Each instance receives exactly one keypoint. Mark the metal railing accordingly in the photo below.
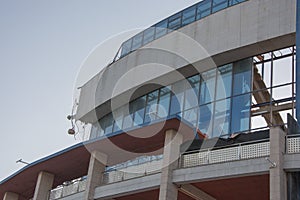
(68, 189)
(260, 148)
(293, 143)
(131, 172)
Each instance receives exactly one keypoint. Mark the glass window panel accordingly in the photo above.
(224, 82)
(233, 2)
(107, 123)
(137, 41)
(191, 116)
(205, 117)
(126, 47)
(280, 67)
(242, 76)
(189, 15)
(164, 102)
(219, 5)
(149, 35)
(203, 9)
(177, 98)
(151, 108)
(221, 118)
(161, 28)
(127, 121)
(138, 110)
(240, 113)
(192, 92)
(118, 116)
(96, 131)
(174, 22)
(207, 91)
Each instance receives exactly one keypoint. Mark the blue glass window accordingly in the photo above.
(107, 123)
(203, 9)
(138, 110)
(118, 116)
(164, 102)
(240, 120)
(177, 98)
(188, 15)
(207, 91)
(148, 35)
(233, 2)
(127, 121)
(224, 82)
(191, 116)
(205, 118)
(96, 131)
(161, 28)
(174, 22)
(126, 47)
(151, 108)
(219, 5)
(242, 71)
(221, 118)
(137, 41)
(192, 92)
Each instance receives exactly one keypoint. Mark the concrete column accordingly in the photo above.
(43, 186)
(278, 187)
(168, 190)
(95, 173)
(10, 196)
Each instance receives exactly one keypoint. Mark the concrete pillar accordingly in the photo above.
(95, 173)
(43, 186)
(168, 190)
(278, 187)
(10, 196)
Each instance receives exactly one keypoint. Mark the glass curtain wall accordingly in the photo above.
(204, 101)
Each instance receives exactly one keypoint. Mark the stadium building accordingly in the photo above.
(200, 106)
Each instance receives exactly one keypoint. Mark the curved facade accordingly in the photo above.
(200, 105)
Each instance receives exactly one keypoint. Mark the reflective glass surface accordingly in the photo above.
(176, 21)
(216, 102)
(219, 5)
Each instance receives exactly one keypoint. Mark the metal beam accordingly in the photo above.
(275, 108)
(298, 62)
(194, 192)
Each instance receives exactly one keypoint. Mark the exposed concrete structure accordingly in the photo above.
(43, 186)
(95, 173)
(168, 190)
(241, 36)
(11, 196)
(278, 188)
(233, 43)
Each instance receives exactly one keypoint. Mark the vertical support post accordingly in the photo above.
(173, 140)
(298, 62)
(43, 186)
(278, 186)
(11, 196)
(96, 170)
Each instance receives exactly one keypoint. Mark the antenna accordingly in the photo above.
(21, 161)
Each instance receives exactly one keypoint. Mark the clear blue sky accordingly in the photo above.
(42, 46)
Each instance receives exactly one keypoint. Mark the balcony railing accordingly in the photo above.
(68, 189)
(293, 143)
(131, 172)
(241, 151)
